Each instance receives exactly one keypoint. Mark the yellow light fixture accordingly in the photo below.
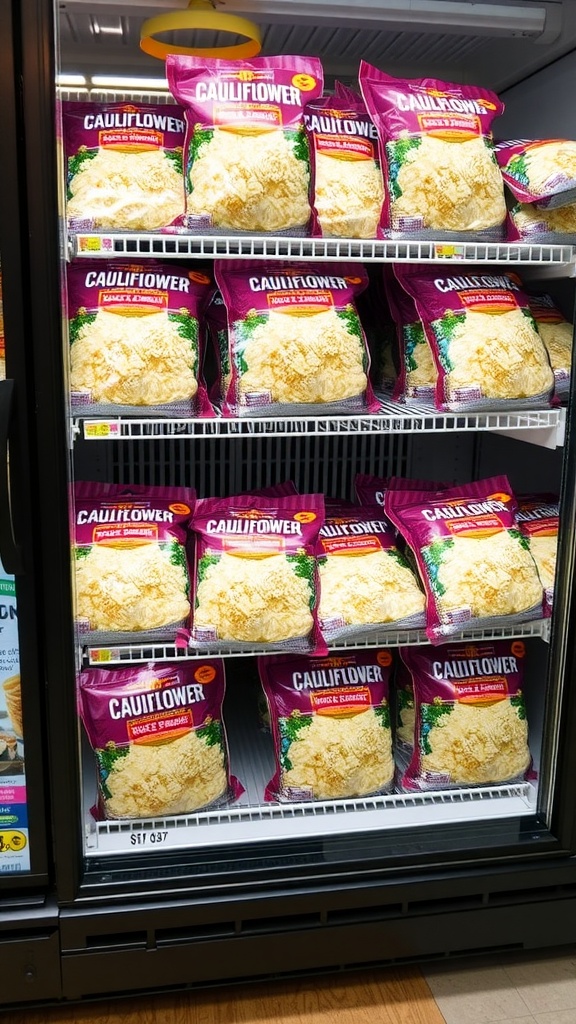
(200, 14)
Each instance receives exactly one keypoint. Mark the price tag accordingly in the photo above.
(98, 655)
(95, 429)
(450, 252)
(92, 244)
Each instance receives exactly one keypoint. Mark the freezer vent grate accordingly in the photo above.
(222, 466)
(138, 653)
(392, 419)
(263, 246)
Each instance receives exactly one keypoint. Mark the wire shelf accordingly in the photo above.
(138, 653)
(106, 244)
(546, 424)
(237, 823)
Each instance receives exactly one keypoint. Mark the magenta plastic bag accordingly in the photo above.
(441, 178)
(366, 585)
(370, 490)
(330, 720)
(527, 223)
(123, 165)
(470, 723)
(256, 580)
(137, 339)
(538, 518)
(476, 567)
(158, 738)
(246, 150)
(417, 373)
(541, 171)
(348, 189)
(131, 563)
(557, 334)
(486, 346)
(296, 345)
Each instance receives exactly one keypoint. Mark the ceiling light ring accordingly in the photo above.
(201, 19)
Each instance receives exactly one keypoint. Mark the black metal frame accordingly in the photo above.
(18, 403)
(138, 922)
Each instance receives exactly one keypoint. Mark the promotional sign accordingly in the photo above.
(14, 843)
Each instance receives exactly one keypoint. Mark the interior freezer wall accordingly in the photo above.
(542, 106)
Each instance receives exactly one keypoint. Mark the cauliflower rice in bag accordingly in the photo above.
(124, 165)
(136, 338)
(527, 223)
(404, 708)
(541, 172)
(557, 334)
(417, 376)
(256, 582)
(158, 738)
(131, 569)
(247, 155)
(295, 341)
(441, 178)
(475, 564)
(370, 490)
(538, 518)
(348, 189)
(366, 585)
(471, 727)
(485, 342)
(330, 721)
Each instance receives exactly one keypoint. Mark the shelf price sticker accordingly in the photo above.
(92, 244)
(450, 252)
(101, 655)
(97, 429)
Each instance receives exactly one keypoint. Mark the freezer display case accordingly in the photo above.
(275, 829)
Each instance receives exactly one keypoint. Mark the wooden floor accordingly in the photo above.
(383, 997)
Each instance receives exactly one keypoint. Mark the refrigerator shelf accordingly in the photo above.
(559, 259)
(543, 427)
(132, 654)
(260, 822)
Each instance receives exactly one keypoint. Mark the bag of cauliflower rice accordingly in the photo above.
(417, 373)
(330, 721)
(296, 345)
(247, 157)
(131, 567)
(124, 165)
(526, 223)
(136, 339)
(441, 178)
(404, 710)
(557, 334)
(488, 352)
(475, 564)
(348, 190)
(370, 490)
(542, 171)
(538, 518)
(158, 738)
(366, 585)
(256, 581)
(471, 727)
